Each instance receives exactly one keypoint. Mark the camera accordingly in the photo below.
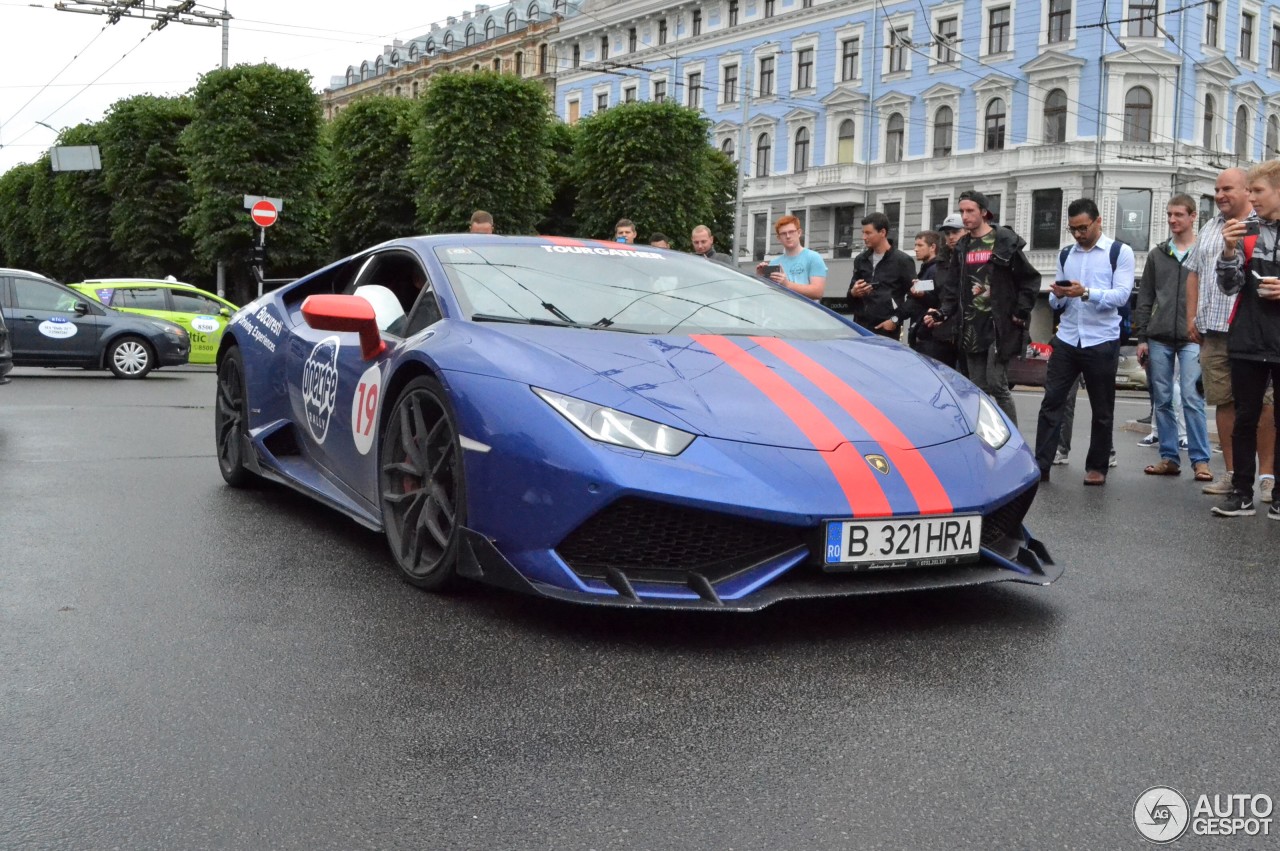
(1252, 227)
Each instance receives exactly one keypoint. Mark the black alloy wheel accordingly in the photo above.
(231, 420)
(422, 485)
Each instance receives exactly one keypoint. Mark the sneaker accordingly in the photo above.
(1217, 448)
(1152, 439)
(1183, 445)
(1060, 458)
(1145, 420)
(1112, 462)
(1235, 505)
(1218, 486)
(1274, 512)
(1267, 486)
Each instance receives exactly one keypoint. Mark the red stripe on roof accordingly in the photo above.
(564, 240)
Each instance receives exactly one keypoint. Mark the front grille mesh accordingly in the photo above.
(1007, 519)
(650, 540)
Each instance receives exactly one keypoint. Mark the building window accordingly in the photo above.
(1273, 138)
(697, 22)
(994, 140)
(1275, 48)
(1137, 115)
(1059, 21)
(899, 43)
(1246, 36)
(893, 212)
(662, 31)
(768, 8)
(1242, 133)
(629, 94)
(1212, 17)
(1055, 118)
(948, 32)
(602, 101)
(939, 209)
(844, 142)
(802, 151)
(731, 83)
(659, 91)
(762, 155)
(894, 136)
(542, 59)
(806, 4)
(726, 148)
(1142, 18)
(998, 30)
(943, 131)
(759, 235)
(519, 63)
(849, 54)
(604, 47)
(632, 40)
(490, 29)
(733, 13)
(1210, 108)
(448, 41)
(766, 77)
(414, 90)
(804, 68)
(497, 63)
(575, 111)
(693, 91)
(1046, 219)
(470, 36)
(1133, 218)
(577, 56)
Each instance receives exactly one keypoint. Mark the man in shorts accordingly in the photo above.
(1208, 317)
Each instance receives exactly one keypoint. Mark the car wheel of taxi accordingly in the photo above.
(422, 486)
(130, 357)
(231, 421)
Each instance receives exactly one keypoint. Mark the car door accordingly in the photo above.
(336, 394)
(51, 325)
(203, 319)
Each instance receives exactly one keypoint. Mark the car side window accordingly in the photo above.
(140, 298)
(193, 303)
(30, 294)
(425, 313)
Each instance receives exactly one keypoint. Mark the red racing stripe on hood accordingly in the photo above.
(865, 496)
(919, 476)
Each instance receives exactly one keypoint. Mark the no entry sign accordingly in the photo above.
(264, 214)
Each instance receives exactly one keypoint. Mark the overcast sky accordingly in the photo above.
(63, 68)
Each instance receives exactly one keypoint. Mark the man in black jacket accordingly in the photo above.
(882, 276)
(991, 288)
(935, 256)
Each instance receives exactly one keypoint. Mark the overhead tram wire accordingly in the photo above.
(54, 79)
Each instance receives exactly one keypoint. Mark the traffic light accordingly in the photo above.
(258, 255)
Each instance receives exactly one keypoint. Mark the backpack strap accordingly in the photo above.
(1115, 254)
(1062, 259)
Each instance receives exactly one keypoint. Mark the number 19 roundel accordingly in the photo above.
(364, 409)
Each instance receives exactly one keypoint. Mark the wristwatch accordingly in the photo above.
(1084, 296)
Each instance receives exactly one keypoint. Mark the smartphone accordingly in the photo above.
(769, 270)
(1062, 284)
(1252, 227)
(923, 286)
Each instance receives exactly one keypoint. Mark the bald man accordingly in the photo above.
(1208, 316)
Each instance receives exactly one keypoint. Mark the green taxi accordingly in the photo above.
(203, 314)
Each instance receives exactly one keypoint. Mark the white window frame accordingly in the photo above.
(858, 31)
(808, 122)
(576, 99)
(934, 102)
(607, 91)
(1257, 61)
(1216, 45)
(807, 43)
(1069, 43)
(774, 52)
(699, 68)
(660, 78)
(936, 14)
(892, 25)
(1124, 34)
(985, 25)
(724, 62)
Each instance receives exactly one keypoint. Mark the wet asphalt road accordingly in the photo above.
(187, 666)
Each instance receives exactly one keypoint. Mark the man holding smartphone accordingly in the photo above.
(1091, 289)
(799, 269)
(882, 276)
(1249, 269)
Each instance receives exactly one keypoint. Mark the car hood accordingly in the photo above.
(797, 394)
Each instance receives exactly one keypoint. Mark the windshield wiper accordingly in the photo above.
(533, 320)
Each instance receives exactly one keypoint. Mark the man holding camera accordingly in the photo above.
(1094, 282)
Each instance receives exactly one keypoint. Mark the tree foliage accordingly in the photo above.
(481, 143)
(721, 193)
(17, 225)
(255, 131)
(561, 218)
(75, 238)
(647, 162)
(370, 199)
(150, 187)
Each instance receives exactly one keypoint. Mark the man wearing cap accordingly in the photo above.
(990, 289)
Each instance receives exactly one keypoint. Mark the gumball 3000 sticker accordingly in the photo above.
(320, 386)
(58, 327)
(204, 324)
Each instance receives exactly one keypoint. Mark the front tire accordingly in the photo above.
(130, 357)
(422, 486)
(231, 420)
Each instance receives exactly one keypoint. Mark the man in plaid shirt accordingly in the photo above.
(1208, 316)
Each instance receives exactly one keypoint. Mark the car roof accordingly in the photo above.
(159, 282)
(4, 271)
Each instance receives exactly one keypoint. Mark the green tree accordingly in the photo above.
(78, 246)
(370, 198)
(560, 217)
(256, 131)
(481, 143)
(647, 162)
(17, 226)
(143, 169)
(721, 174)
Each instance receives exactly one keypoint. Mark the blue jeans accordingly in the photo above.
(1162, 391)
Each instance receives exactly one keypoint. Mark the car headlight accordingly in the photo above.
(621, 429)
(992, 429)
(171, 329)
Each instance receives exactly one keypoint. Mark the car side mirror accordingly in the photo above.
(345, 313)
(81, 308)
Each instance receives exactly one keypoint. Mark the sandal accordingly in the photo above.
(1203, 473)
(1164, 468)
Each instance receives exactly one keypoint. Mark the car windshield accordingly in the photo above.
(594, 286)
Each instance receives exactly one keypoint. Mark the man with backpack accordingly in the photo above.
(1095, 279)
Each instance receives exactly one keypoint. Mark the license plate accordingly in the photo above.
(903, 541)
